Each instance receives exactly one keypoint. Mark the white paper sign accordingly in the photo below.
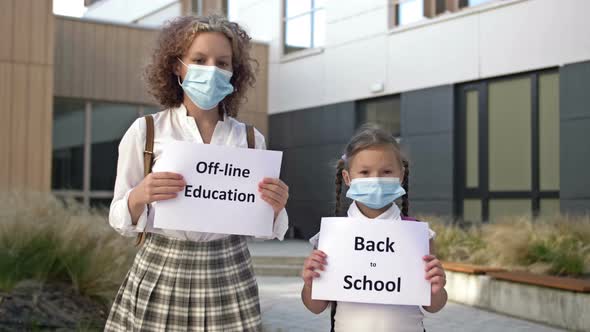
(373, 262)
(221, 195)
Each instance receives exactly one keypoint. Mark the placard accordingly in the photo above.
(377, 261)
(221, 193)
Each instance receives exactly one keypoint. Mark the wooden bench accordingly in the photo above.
(470, 268)
(564, 283)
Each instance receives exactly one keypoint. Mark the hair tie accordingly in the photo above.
(343, 157)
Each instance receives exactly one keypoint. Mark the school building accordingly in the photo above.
(72, 86)
(488, 97)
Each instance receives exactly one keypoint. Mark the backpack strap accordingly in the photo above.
(250, 137)
(148, 159)
(148, 153)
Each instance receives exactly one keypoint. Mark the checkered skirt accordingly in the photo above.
(177, 285)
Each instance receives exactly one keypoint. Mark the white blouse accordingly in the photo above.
(171, 125)
(351, 316)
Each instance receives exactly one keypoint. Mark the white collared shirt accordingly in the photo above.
(352, 316)
(171, 125)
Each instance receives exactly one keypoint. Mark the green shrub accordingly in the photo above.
(45, 239)
(557, 246)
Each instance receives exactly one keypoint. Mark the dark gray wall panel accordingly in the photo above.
(312, 141)
(575, 158)
(306, 216)
(430, 207)
(431, 165)
(574, 87)
(427, 111)
(575, 206)
(427, 137)
(574, 81)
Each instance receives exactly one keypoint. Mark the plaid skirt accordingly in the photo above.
(177, 285)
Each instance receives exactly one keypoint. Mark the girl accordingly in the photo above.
(189, 281)
(372, 168)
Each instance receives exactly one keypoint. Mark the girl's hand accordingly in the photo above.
(435, 274)
(275, 192)
(158, 186)
(315, 262)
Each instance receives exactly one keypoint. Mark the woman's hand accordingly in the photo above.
(314, 263)
(435, 274)
(158, 186)
(275, 192)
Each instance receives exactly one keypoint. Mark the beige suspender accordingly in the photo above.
(148, 153)
(148, 159)
(250, 137)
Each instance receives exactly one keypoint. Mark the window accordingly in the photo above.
(404, 12)
(68, 144)
(472, 3)
(508, 144)
(109, 124)
(86, 137)
(409, 11)
(197, 7)
(304, 25)
(225, 8)
(383, 111)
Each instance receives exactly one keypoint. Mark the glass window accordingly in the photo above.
(519, 132)
(101, 203)
(382, 111)
(504, 208)
(225, 8)
(472, 210)
(472, 3)
(297, 7)
(89, 128)
(197, 7)
(68, 144)
(549, 131)
(509, 116)
(409, 11)
(109, 124)
(472, 139)
(298, 34)
(441, 7)
(304, 25)
(549, 207)
(150, 110)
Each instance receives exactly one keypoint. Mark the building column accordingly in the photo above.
(26, 91)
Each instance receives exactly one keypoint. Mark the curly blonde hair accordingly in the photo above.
(176, 38)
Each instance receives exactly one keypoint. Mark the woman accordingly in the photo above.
(189, 281)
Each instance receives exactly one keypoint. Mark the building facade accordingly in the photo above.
(489, 99)
(71, 88)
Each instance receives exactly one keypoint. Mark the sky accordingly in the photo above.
(73, 8)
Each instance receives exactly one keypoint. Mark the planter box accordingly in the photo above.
(523, 295)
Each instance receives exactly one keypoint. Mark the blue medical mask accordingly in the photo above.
(375, 193)
(206, 86)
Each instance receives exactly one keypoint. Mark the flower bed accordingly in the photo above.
(56, 246)
(557, 246)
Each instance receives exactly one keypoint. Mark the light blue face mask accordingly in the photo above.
(375, 193)
(206, 86)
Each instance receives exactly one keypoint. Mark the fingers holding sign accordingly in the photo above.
(435, 273)
(315, 262)
(158, 186)
(275, 192)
